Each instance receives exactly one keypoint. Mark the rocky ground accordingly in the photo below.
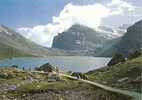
(17, 85)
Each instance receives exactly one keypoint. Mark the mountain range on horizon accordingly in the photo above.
(102, 42)
(78, 40)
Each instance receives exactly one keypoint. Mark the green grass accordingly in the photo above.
(111, 75)
(31, 86)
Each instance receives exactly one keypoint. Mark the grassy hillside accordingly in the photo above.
(124, 75)
(8, 52)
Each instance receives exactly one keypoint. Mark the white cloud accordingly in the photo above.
(89, 15)
(119, 7)
(36, 34)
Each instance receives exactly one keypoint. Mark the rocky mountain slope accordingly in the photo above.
(81, 38)
(131, 41)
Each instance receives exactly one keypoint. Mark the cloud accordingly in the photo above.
(89, 15)
(119, 7)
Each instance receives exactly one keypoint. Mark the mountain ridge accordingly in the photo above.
(13, 44)
(130, 41)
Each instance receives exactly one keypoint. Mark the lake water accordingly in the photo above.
(66, 63)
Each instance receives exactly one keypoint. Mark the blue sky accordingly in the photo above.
(43, 19)
(18, 13)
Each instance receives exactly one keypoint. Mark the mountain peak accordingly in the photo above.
(80, 28)
(6, 30)
(3, 29)
(80, 37)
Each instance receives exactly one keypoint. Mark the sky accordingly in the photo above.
(41, 20)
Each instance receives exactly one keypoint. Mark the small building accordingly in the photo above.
(47, 68)
(52, 77)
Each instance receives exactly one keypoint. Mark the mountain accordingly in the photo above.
(124, 26)
(131, 41)
(78, 40)
(82, 38)
(13, 44)
(114, 32)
